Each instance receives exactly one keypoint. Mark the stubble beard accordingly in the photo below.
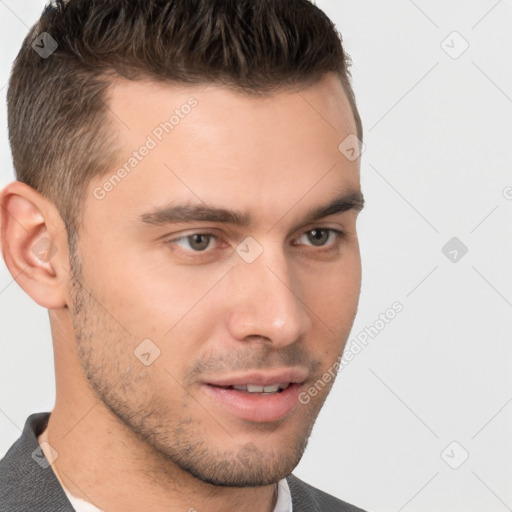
(174, 440)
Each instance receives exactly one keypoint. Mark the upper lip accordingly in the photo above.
(262, 378)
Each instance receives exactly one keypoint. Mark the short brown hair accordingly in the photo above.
(57, 111)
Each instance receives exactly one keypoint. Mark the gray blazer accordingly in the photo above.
(28, 484)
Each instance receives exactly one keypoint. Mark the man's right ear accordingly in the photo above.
(33, 239)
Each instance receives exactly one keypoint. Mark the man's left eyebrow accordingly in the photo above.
(345, 202)
(199, 213)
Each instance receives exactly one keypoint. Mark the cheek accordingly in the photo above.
(333, 295)
(333, 290)
(145, 291)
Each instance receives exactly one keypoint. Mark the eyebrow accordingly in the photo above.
(202, 212)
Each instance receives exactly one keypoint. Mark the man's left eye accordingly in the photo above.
(320, 236)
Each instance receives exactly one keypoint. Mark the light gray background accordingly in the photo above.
(436, 165)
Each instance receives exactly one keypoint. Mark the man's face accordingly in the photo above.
(169, 314)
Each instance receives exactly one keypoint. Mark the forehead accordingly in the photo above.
(142, 105)
(208, 143)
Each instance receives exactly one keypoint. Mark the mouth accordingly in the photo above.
(262, 390)
(257, 397)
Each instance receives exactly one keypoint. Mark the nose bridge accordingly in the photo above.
(267, 300)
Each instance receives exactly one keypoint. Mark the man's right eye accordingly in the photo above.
(197, 242)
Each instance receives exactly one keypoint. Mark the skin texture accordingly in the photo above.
(136, 437)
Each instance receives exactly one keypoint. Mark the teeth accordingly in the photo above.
(253, 388)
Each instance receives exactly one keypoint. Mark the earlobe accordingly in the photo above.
(32, 245)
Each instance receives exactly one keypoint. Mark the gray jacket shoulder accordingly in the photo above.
(27, 481)
(306, 498)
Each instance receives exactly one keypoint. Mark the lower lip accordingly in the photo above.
(257, 407)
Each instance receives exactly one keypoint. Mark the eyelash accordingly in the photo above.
(339, 235)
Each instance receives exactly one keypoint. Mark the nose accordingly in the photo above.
(266, 301)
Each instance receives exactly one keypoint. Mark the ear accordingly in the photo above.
(34, 244)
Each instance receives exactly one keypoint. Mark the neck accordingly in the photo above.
(103, 462)
(93, 464)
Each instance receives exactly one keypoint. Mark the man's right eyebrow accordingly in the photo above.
(195, 212)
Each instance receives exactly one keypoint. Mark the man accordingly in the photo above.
(185, 208)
